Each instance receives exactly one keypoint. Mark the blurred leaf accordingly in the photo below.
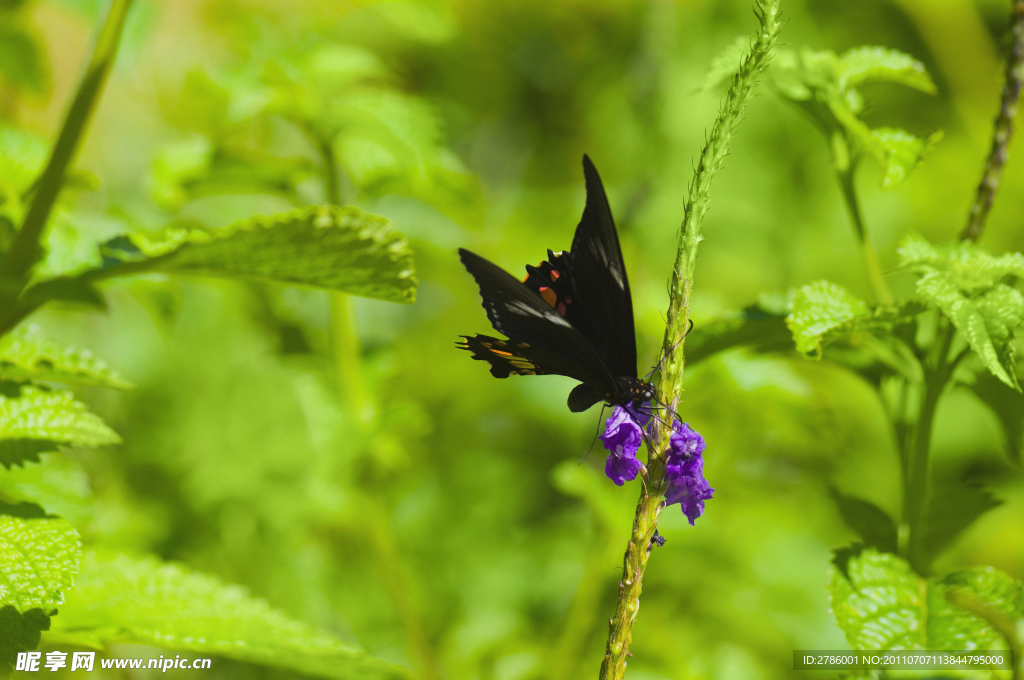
(327, 247)
(902, 152)
(882, 604)
(26, 354)
(754, 327)
(19, 633)
(22, 156)
(22, 63)
(870, 63)
(869, 521)
(40, 561)
(119, 599)
(37, 420)
(1008, 405)
(726, 63)
(953, 505)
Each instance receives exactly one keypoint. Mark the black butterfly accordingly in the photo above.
(571, 316)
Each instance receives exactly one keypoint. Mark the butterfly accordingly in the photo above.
(572, 315)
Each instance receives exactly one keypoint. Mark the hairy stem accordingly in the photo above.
(874, 269)
(653, 478)
(915, 483)
(992, 176)
(26, 250)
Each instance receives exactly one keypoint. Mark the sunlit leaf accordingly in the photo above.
(327, 247)
(35, 421)
(903, 151)
(986, 321)
(143, 601)
(39, 559)
(880, 603)
(26, 354)
(819, 308)
(870, 63)
(973, 269)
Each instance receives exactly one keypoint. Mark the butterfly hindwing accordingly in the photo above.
(538, 334)
(602, 304)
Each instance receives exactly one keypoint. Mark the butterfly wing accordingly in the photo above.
(540, 339)
(602, 306)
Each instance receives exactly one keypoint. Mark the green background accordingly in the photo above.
(411, 502)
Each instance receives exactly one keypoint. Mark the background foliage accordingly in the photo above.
(388, 493)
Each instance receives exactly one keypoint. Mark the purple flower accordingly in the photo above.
(684, 469)
(622, 437)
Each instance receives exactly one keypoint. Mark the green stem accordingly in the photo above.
(992, 176)
(25, 250)
(871, 264)
(915, 495)
(347, 357)
(681, 287)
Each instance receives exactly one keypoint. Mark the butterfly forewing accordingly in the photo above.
(601, 295)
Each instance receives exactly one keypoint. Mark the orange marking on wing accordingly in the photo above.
(504, 354)
(549, 296)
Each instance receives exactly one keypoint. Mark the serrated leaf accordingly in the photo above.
(1008, 405)
(872, 63)
(819, 308)
(986, 321)
(327, 247)
(972, 268)
(880, 603)
(902, 152)
(143, 601)
(39, 559)
(37, 420)
(26, 354)
(871, 523)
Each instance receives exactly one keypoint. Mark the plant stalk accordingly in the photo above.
(653, 480)
(26, 250)
(867, 248)
(991, 178)
(915, 495)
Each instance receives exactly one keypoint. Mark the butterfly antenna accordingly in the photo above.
(596, 432)
(665, 355)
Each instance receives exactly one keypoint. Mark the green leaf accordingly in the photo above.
(26, 354)
(870, 63)
(19, 633)
(144, 601)
(754, 327)
(986, 321)
(880, 603)
(953, 505)
(902, 152)
(39, 559)
(726, 63)
(1008, 406)
(869, 521)
(22, 63)
(37, 420)
(972, 268)
(327, 247)
(818, 309)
